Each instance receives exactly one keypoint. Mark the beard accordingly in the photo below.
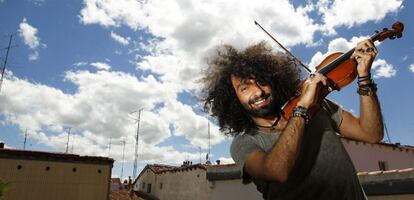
(269, 110)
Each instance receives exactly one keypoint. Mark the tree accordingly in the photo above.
(3, 188)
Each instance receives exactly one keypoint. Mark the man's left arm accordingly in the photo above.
(368, 127)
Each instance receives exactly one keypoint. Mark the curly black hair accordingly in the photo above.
(257, 61)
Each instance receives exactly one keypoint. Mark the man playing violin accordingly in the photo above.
(295, 157)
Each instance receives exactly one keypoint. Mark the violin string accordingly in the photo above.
(281, 46)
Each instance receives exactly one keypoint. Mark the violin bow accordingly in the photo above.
(281, 46)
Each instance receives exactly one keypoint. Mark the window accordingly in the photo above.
(383, 166)
(149, 188)
(143, 185)
(160, 186)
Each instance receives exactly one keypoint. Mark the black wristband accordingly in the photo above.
(300, 111)
(367, 89)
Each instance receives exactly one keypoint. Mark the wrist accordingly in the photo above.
(364, 79)
(360, 74)
(302, 112)
(303, 104)
(367, 89)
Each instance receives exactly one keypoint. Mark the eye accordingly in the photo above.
(243, 88)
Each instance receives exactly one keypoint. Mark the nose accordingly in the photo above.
(258, 90)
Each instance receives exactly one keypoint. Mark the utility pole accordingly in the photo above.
(123, 160)
(5, 62)
(208, 154)
(67, 143)
(25, 139)
(136, 143)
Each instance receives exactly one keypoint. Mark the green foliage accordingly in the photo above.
(3, 188)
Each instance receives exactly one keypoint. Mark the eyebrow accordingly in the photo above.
(243, 82)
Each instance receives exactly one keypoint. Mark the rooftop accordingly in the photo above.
(52, 156)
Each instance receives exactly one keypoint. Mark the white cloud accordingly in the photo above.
(382, 69)
(120, 39)
(29, 35)
(98, 110)
(354, 12)
(412, 67)
(34, 55)
(187, 31)
(112, 13)
(81, 63)
(101, 65)
(97, 65)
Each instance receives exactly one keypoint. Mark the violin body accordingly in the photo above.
(342, 75)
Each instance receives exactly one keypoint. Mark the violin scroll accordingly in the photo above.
(396, 32)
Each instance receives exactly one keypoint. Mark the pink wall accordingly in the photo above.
(366, 156)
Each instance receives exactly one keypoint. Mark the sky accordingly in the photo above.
(87, 67)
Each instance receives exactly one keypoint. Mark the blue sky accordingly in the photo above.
(88, 64)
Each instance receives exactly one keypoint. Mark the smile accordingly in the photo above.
(260, 102)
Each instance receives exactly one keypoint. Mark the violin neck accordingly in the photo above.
(332, 65)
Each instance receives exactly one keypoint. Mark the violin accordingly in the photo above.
(340, 69)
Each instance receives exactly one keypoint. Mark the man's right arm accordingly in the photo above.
(276, 164)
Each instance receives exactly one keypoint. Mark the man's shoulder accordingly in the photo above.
(242, 137)
(241, 140)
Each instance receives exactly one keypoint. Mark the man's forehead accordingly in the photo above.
(243, 79)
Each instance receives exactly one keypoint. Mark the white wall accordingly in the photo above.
(365, 156)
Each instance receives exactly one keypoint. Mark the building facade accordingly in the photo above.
(381, 156)
(163, 182)
(39, 175)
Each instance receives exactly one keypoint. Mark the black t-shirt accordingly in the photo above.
(323, 169)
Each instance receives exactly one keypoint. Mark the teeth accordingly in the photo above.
(259, 102)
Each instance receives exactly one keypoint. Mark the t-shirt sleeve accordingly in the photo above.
(335, 112)
(240, 148)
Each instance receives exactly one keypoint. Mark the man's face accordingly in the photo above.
(256, 97)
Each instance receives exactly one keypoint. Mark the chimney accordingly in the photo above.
(129, 182)
(218, 162)
(1, 145)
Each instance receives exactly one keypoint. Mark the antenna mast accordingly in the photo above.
(5, 62)
(136, 144)
(123, 160)
(25, 139)
(208, 153)
(67, 143)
